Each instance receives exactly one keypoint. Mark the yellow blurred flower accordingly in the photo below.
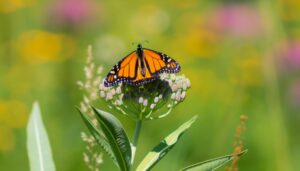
(193, 38)
(8, 6)
(7, 138)
(13, 114)
(40, 46)
(289, 9)
(184, 4)
(199, 43)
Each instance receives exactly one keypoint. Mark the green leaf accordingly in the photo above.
(38, 147)
(99, 137)
(117, 138)
(213, 164)
(160, 150)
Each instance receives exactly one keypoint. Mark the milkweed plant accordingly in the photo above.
(146, 102)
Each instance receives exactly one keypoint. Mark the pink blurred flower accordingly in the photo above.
(288, 56)
(293, 54)
(73, 12)
(237, 20)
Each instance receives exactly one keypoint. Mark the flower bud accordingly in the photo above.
(184, 86)
(109, 96)
(188, 83)
(178, 96)
(156, 99)
(183, 95)
(102, 94)
(152, 106)
(145, 103)
(118, 90)
(141, 100)
(173, 96)
(160, 96)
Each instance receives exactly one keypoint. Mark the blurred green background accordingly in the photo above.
(242, 57)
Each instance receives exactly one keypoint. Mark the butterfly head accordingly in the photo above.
(139, 46)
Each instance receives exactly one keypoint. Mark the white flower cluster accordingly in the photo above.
(146, 99)
(179, 86)
(113, 95)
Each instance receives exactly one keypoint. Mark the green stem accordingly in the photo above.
(136, 135)
(137, 131)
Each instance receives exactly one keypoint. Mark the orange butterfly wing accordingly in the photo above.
(158, 62)
(123, 71)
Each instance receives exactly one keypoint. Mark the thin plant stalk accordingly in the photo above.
(136, 136)
(137, 132)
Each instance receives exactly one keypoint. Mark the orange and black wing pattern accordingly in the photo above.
(135, 70)
(124, 71)
(157, 62)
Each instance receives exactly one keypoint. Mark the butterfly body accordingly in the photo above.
(141, 66)
(140, 55)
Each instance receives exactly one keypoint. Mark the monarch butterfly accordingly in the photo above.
(141, 66)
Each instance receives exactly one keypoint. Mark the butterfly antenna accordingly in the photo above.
(133, 43)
